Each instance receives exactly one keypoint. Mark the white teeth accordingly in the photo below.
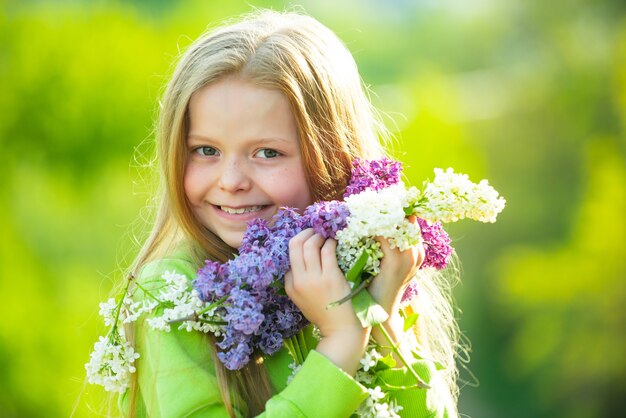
(241, 210)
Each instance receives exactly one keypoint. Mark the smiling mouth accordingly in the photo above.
(240, 211)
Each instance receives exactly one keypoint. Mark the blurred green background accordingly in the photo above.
(529, 94)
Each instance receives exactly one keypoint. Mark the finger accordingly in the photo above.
(296, 256)
(386, 247)
(289, 284)
(421, 255)
(311, 252)
(329, 255)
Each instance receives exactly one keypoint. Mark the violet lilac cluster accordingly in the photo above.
(257, 314)
(373, 174)
(248, 289)
(327, 217)
(436, 244)
(437, 251)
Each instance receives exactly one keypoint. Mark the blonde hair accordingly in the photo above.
(298, 56)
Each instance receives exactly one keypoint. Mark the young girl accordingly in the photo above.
(264, 113)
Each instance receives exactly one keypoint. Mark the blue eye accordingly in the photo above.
(206, 151)
(268, 153)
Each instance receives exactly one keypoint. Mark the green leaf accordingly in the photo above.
(417, 355)
(410, 320)
(355, 271)
(439, 366)
(385, 363)
(280, 288)
(367, 310)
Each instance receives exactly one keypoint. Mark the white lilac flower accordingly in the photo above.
(175, 289)
(378, 403)
(111, 364)
(132, 310)
(395, 408)
(363, 377)
(184, 303)
(452, 196)
(295, 368)
(375, 213)
(380, 213)
(158, 323)
(366, 409)
(376, 393)
(348, 252)
(374, 406)
(384, 410)
(112, 359)
(370, 358)
(107, 311)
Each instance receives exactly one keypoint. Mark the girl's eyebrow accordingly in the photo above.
(255, 141)
(197, 137)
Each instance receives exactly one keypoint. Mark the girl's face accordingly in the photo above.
(243, 157)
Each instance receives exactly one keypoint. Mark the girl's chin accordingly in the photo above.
(233, 240)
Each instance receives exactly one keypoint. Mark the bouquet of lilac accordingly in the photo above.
(243, 302)
(249, 288)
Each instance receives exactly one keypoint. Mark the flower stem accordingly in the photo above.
(206, 321)
(420, 383)
(145, 291)
(196, 315)
(118, 308)
(213, 305)
(304, 349)
(294, 349)
(296, 345)
(289, 346)
(350, 295)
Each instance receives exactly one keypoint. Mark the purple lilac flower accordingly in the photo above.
(254, 269)
(410, 292)
(288, 223)
(373, 174)
(326, 218)
(271, 342)
(244, 312)
(256, 233)
(288, 316)
(277, 249)
(237, 357)
(212, 282)
(436, 245)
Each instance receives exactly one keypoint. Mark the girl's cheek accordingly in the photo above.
(193, 181)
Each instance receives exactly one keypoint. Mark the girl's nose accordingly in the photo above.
(233, 176)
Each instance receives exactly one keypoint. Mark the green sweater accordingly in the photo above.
(176, 375)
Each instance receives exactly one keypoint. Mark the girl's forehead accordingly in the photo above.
(234, 108)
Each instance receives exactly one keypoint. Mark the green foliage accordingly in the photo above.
(531, 95)
(566, 303)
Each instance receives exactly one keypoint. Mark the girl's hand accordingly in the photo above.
(397, 268)
(313, 282)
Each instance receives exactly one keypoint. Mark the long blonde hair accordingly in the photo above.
(300, 57)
